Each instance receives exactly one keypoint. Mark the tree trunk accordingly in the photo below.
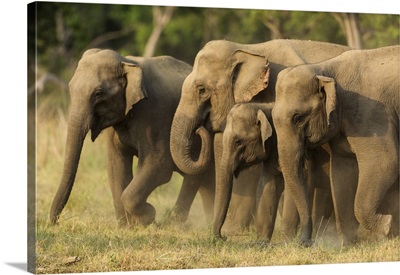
(350, 25)
(160, 20)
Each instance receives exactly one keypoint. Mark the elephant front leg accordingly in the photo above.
(120, 174)
(272, 188)
(322, 210)
(290, 217)
(375, 179)
(186, 197)
(207, 193)
(149, 176)
(204, 184)
(344, 177)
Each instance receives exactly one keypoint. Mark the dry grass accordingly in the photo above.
(87, 238)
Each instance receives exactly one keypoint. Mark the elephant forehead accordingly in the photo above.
(89, 79)
(211, 61)
(243, 126)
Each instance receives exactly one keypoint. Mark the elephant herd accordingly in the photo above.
(310, 123)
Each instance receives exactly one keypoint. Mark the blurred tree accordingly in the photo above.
(66, 30)
(161, 17)
(350, 24)
(379, 30)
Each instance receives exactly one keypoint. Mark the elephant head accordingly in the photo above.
(103, 89)
(305, 115)
(223, 74)
(244, 144)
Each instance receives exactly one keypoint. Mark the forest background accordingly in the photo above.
(63, 31)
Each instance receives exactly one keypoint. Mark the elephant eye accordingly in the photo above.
(237, 142)
(98, 93)
(298, 119)
(201, 90)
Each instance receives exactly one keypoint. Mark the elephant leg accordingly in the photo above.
(322, 209)
(344, 177)
(205, 185)
(375, 179)
(207, 193)
(119, 174)
(322, 201)
(290, 216)
(186, 196)
(271, 190)
(150, 174)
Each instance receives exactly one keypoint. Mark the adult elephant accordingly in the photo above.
(352, 102)
(225, 73)
(249, 138)
(133, 99)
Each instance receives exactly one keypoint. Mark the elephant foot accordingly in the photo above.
(217, 236)
(179, 215)
(143, 216)
(385, 225)
(306, 242)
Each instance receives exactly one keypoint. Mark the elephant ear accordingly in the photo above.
(135, 89)
(327, 89)
(265, 127)
(250, 75)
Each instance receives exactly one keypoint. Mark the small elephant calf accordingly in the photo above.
(248, 139)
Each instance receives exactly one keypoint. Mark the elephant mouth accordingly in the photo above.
(240, 168)
(99, 124)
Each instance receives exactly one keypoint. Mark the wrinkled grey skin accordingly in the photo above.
(225, 73)
(133, 101)
(351, 102)
(249, 138)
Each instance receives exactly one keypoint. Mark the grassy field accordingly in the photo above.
(87, 238)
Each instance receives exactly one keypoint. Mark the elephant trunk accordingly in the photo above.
(76, 132)
(291, 160)
(223, 193)
(182, 136)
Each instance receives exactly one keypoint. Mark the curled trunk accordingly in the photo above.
(182, 136)
(76, 133)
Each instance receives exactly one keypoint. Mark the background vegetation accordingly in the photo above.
(87, 238)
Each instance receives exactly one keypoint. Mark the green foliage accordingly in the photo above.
(65, 30)
(380, 30)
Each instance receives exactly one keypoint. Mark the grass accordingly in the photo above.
(87, 238)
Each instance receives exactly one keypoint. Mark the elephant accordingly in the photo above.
(249, 138)
(225, 73)
(133, 100)
(350, 102)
